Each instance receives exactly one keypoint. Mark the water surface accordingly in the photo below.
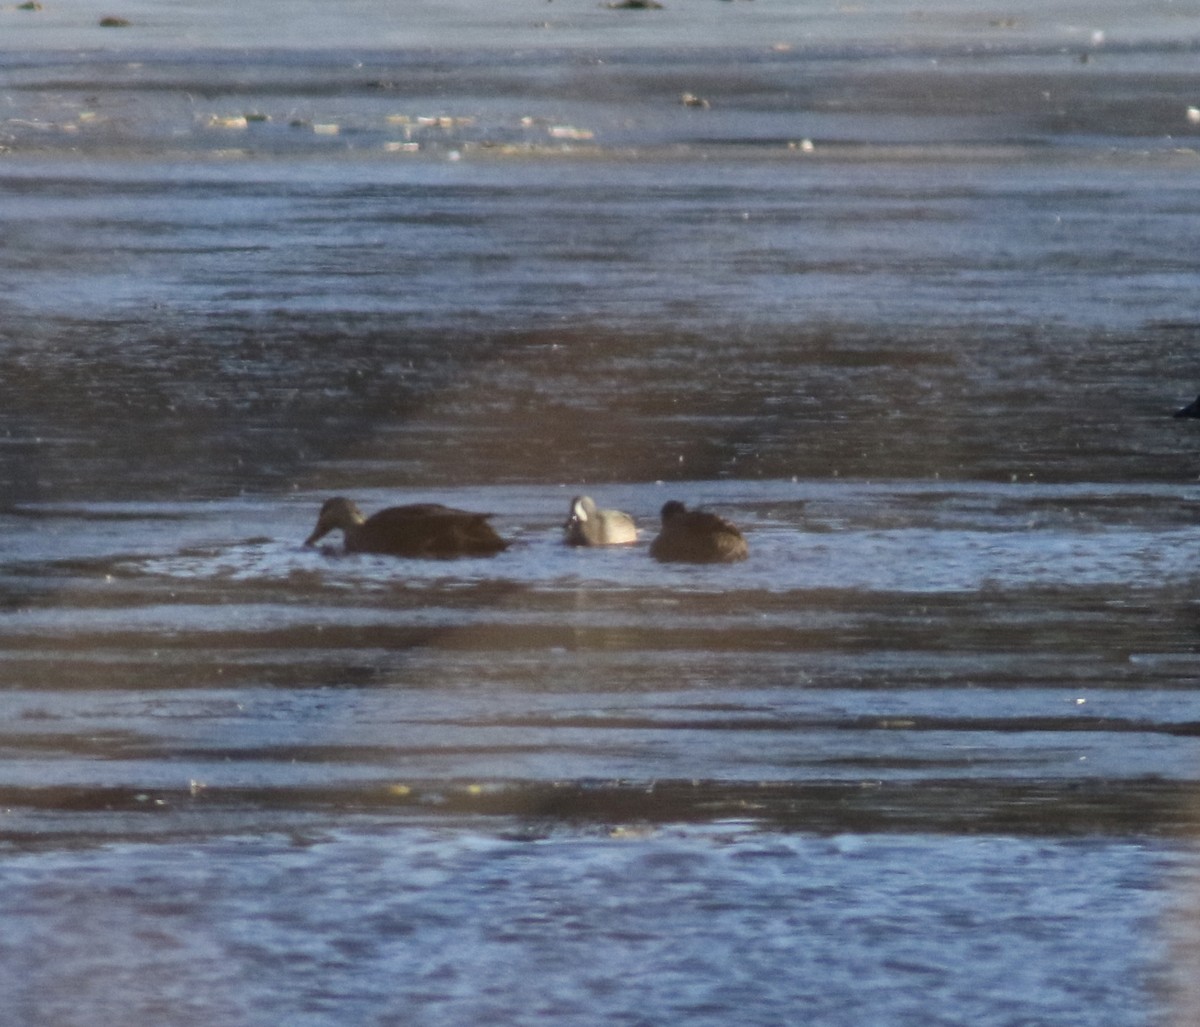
(908, 297)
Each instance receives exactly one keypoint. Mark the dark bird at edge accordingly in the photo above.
(1191, 410)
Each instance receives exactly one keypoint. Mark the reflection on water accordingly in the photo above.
(914, 313)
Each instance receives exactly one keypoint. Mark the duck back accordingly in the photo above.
(696, 536)
(425, 530)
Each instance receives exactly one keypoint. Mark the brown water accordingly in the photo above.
(913, 311)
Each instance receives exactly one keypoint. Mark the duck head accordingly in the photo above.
(672, 508)
(338, 512)
(583, 509)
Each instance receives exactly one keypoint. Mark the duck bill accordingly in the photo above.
(318, 534)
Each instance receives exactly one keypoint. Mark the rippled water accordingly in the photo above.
(909, 298)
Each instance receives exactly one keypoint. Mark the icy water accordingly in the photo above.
(908, 294)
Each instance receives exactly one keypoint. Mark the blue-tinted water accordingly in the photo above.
(439, 925)
(909, 296)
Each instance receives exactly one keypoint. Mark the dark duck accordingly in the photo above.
(1191, 410)
(427, 530)
(695, 536)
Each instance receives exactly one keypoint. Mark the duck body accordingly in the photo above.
(428, 530)
(589, 526)
(1191, 410)
(695, 536)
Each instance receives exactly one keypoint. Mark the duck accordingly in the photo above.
(1191, 410)
(428, 530)
(696, 536)
(589, 526)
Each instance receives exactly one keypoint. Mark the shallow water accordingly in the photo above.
(450, 926)
(911, 300)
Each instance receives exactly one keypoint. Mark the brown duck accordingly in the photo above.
(420, 529)
(695, 536)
